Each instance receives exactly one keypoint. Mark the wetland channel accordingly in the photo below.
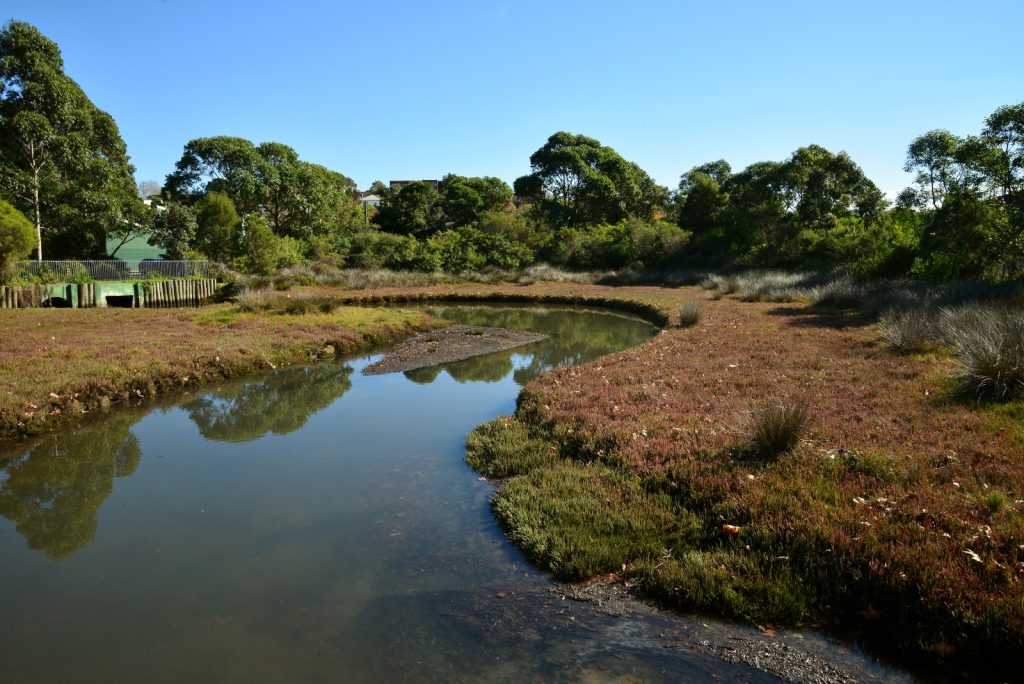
(318, 524)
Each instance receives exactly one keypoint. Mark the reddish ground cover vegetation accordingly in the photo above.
(57, 364)
(900, 512)
(902, 500)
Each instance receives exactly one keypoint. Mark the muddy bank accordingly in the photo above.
(792, 656)
(455, 343)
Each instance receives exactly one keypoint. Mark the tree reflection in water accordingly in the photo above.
(53, 491)
(280, 403)
(578, 339)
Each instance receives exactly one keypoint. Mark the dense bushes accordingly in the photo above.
(630, 243)
(17, 235)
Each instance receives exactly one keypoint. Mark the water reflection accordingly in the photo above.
(577, 338)
(278, 404)
(53, 491)
(370, 553)
(487, 368)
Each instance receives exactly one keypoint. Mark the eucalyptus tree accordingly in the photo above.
(1004, 132)
(932, 158)
(700, 197)
(297, 198)
(413, 209)
(465, 199)
(62, 160)
(576, 181)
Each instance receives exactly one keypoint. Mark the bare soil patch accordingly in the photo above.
(454, 343)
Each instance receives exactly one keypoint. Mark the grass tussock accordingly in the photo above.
(910, 331)
(690, 314)
(773, 428)
(251, 300)
(988, 341)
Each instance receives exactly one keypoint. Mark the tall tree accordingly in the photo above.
(1004, 131)
(175, 226)
(223, 164)
(297, 198)
(824, 187)
(217, 235)
(576, 180)
(932, 157)
(414, 209)
(700, 197)
(465, 199)
(62, 160)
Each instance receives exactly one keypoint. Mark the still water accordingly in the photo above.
(315, 524)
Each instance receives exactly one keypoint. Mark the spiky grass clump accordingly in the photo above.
(538, 273)
(774, 428)
(503, 448)
(298, 306)
(775, 286)
(842, 292)
(988, 340)
(254, 300)
(910, 331)
(690, 314)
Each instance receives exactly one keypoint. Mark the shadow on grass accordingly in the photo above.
(823, 317)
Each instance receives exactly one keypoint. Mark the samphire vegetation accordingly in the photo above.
(783, 466)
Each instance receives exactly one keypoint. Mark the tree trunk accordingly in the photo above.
(39, 221)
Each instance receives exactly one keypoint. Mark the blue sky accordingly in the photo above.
(419, 89)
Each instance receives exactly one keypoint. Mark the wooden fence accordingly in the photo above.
(159, 294)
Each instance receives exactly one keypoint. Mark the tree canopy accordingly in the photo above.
(576, 181)
(413, 209)
(297, 198)
(465, 199)
(971, 190)
(62, 160)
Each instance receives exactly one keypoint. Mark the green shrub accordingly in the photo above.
(377, 249)
(265, 252)
(17, 234)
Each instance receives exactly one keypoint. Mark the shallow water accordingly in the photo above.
(316, 524)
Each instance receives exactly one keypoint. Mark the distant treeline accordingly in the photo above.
(258, 207)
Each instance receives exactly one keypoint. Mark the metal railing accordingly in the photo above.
(118, 269)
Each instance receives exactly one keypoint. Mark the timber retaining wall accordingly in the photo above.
(151, 294)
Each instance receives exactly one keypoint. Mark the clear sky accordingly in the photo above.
(401, 89)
